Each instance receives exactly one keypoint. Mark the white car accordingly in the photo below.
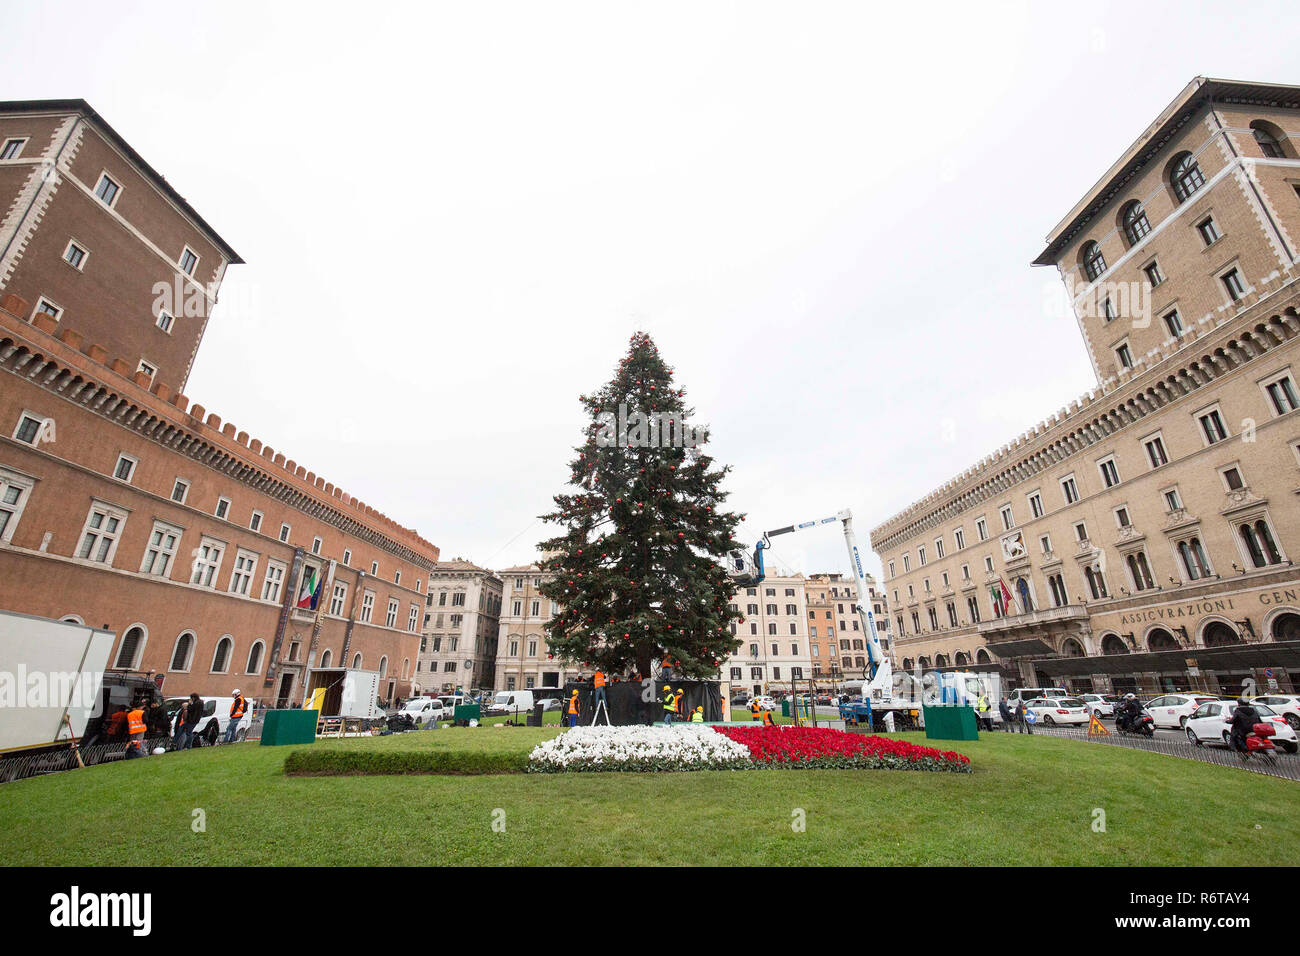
(1212, 721)
(764, 703)
(215, 720)
(1173, 710)
(1287, 706)
(1100, 705)
(1058, 710)
(425, 711)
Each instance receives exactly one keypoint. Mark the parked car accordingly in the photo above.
(425, 711)
(1173, 710)
(216, 718)
(1103, 705)
(551, 703)
(1211, 723)
(1287, 706)
(1058, 710)
(764, 703)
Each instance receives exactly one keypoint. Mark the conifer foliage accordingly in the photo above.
(639, 569)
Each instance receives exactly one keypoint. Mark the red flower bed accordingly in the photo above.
(815, 747)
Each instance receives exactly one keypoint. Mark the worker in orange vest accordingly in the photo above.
(135, 728)
(237, 708)
(574, 709)
(753, 706)
(598, 681)
(680, 704)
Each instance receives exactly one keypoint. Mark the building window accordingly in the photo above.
(315, 545)
(221, 657)
(959, 538)
(1081, 532)
(1191, 553)
(1122, 518)
(973, 608)
(12, 148)
(1125, 355)
(255, 659)
(1153, 273)
(273, 582)
(183, 652)
(188, 261)
(1268, 143)
(1156, 454)
(284, 532)
(1036, 505)
(1109, 473)
(165, 321)
(107, 191)
(981, 529)
(242, 576)
(367, 606)
(1173, 323)
(100, 535)
(390, 618)
(1212, 426)
(1008, 522)
(374, 568)
(207, 562)
(1069, 490)
(1045, 543)
(1173, 502)
(338, 598)
(1208, 231)
(1094, 263)
(132, 645)
(938, 548)
(1260, 544)
(1136, 224)
(1096, 583)
(1233, 285)
(1232, 479)
(125, 468)
(29, 428)
(158, 556)
(907, 563)
(347, 561)
(13, 499)
(74, 256)
(1059, 596)
(1282, 395)
(223, 508)
(45, 307)
(1140, 571)
(1186, 177)
(180, 489)
(1108, 310)
(920, 555)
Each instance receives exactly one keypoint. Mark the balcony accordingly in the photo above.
(1055, 615)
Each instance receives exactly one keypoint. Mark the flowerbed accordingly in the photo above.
(640, 749)
(693, 747)
(818, 748)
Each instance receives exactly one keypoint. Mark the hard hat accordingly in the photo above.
(575, 693)
(666, 687)
(236, 690)
(699, 708)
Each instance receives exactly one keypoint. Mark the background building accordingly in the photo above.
(523, 657)
(1142, 538)
(774, 634)
(461, 619)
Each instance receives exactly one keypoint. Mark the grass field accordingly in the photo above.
(1030, 800)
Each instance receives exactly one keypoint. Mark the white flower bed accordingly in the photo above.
(680, 747)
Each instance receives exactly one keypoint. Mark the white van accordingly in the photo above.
(509, 701)
(425, 711)
(215, 719)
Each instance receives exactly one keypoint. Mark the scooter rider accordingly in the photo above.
(1244, 719)
(1129, 712)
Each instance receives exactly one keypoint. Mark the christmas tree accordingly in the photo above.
(639, 571)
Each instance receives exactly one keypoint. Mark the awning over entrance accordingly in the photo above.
(1232, 657)
(1023, 647)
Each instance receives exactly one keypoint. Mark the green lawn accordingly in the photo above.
(1029, 801)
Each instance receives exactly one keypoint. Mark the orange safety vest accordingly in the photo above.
(573, 705)
(678, 704)
(135, 722)
(599, 679)
(767, 719)
(237, 708)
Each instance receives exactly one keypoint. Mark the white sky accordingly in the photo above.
(455, 215)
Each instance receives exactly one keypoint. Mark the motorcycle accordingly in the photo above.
(400, 722)
(1259, 745)
(1141, 725)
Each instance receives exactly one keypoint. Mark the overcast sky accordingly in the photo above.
(455, 215)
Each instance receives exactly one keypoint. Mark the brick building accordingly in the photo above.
(1143, 538)
(125, 505)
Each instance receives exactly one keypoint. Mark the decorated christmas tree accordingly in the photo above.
(639, 570)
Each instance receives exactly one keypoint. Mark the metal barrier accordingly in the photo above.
(1278, 764)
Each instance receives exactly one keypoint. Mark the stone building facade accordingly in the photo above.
(462, 618)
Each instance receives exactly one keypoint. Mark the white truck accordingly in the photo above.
(51, 674)
(349, 693)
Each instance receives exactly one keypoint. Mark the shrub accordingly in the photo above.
(343, 763)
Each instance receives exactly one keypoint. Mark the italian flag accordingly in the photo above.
(310, 586)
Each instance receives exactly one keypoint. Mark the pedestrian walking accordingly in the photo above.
(1004, 711)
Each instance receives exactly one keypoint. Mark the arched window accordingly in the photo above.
(1096, 583)
(1059, 596)
(132, 644)
(326, 658)
(923, 662)
(1260, 544)
(1218, 634)
(383, 666)
(1135, 222)
(1094, 263)
(1195, 562)
(254, 658)
(1287, 627)
(183, 652)
(961, 660)
(1141, 571)
(221, 657)
(71, 619)
(982, 657)
(1161, 640)
(907, 663)
(1111, 644)
(1186, 176)
(1072, 648)
(406, 668)
(940, 660)
(356, 662)
(1026, 602)
(1269, 139)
